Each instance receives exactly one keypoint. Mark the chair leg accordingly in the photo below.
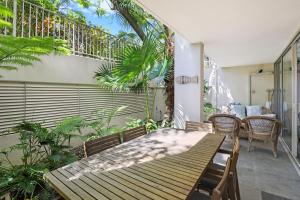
(237, 188)
(249, 144)
(275, 149)
(231, 192)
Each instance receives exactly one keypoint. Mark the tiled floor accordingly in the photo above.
(259, 171)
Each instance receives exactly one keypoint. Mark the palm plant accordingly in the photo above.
(16, 51)
(133, 17)
(101, 125)
(135, 69)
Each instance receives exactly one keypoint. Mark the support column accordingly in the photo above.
(201, 81)
(188, 99)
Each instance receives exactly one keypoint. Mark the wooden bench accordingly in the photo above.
(100, 144)
(134, 133)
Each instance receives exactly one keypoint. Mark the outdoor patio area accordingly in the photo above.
(149, 100)
(263, 177)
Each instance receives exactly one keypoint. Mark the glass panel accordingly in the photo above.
(276, 100)
(287, 98)
(298, 98)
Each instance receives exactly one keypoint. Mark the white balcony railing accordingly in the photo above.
(31, 20)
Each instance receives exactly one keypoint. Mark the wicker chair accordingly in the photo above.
(264, 129)
(198, 126)
(100, 144)
(214, 174)
(221, 191)
(134, 133)
(226, 124)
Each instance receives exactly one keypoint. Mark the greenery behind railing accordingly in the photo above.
(32, 20)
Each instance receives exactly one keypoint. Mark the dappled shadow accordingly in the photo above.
(219, 94)
(143, 149)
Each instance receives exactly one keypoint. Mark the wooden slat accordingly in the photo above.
(61, 188)
(134, 133)
(75, 188)
(170, 177)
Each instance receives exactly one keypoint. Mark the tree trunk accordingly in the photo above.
(169, 79)
(117, 5)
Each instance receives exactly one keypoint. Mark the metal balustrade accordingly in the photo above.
(31, 20)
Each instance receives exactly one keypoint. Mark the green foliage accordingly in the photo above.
(101, 125)
(209, 109)
(135, 68)
(151, 125)
(133, 123)
(42, 150)
(5, 13)
(15, 51)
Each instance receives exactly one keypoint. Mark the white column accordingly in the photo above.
(189, 61)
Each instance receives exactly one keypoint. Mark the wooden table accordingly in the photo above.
(166, 164)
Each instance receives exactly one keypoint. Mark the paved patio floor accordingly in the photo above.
(263, 177)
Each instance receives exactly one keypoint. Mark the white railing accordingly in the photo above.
(31, 20)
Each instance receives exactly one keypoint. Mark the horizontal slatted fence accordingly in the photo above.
(49, 103)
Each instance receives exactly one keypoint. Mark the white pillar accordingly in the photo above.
(189, 61)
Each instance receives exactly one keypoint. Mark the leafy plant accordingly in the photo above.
(41, 150)
(151, 125)
(17, 51)
(135, 68)
(101, 125)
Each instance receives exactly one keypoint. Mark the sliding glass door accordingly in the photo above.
(287, 98)
(297, 63)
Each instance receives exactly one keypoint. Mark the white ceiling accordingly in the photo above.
(234, 32)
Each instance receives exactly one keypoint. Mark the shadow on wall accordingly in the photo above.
(219, 94)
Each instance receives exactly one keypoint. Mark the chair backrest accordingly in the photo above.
(198, 126)
(100, 144)
(221, 191)
(134, 133)
(225, 123)
(235, 155)
(263, 125)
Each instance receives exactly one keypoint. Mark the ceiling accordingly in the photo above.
(234, 32)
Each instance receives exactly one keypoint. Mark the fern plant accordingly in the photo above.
(17, 51)
(42, 150)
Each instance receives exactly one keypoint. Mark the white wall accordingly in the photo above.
(187, 96)
(61, 69)
(232, 84)
(67, 69)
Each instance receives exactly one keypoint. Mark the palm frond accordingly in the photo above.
(15, 51)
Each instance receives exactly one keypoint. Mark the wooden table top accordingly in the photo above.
(166, 164)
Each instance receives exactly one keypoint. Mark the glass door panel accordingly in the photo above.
(298, 98)
(287, 98)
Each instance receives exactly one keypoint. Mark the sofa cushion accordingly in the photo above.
(238, 110)
(253, 110)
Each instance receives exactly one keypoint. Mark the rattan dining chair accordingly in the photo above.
(100, 144)
(221, 191)
(198, 126)
(226, 124)
(134, 133)
(264, 129)
(215, 172)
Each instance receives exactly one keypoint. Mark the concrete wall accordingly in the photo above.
(232, 84)
(187, 96)
(68, 69)
(60, 69)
